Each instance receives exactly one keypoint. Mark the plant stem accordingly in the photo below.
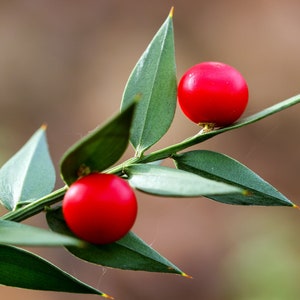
(39, 205)
(205, 135)
(154, 156)
(118, 170)
(35, 207)
(168, 151)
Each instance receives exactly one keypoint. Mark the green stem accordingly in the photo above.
(39, 205)
(154, 156)
(205, 135)
(168, 151)
(118, 170)
(35, 207)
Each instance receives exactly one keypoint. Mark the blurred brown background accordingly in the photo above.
(65, 63)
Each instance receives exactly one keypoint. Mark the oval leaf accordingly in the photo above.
(222, 168)
(171, 182)
(19, 234)
(29, 174)
(129, 253)
(23, 269)
(154, 77)
(99, 149)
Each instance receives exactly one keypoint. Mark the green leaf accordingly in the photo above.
(222, 168)
(154, 77)
(19, 234)
(29, 174)
(129, 253)
(23, 269)
(99, 149)
(171, 182)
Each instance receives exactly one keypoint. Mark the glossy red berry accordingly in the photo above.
(213, 93)
(100, 208)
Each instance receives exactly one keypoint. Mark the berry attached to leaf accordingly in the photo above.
(100, 208)
(213, 93)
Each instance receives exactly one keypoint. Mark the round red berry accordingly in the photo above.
(100, 208)
(213, 93)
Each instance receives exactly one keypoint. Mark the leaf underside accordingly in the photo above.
(165, 181)
(14, 233)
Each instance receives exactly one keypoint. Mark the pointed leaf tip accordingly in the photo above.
(107, 296)
(171, 12)
(186, 276)
(44, 126)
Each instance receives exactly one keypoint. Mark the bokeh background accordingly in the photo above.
(65, 63)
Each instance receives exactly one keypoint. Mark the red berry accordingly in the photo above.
(213, 93)
(100, 208)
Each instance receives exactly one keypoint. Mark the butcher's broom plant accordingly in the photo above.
(147, 111)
